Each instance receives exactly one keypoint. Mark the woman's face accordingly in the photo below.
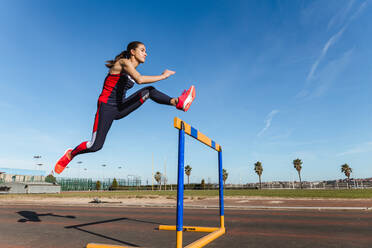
(139, 53)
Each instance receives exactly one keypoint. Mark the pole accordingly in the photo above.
(165, 174)
(180, 184)
(221, 188)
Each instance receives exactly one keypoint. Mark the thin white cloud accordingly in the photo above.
(330, 42)
(268, 120)
(361, 148)
(359, 11)
(341, 15)
(330, 73)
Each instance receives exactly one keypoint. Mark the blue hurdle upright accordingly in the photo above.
(215, 232)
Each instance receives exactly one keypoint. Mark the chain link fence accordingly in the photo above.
(88, 184)
(334, 184)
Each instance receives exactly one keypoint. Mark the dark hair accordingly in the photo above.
(124, 54)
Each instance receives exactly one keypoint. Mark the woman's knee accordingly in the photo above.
(145, 93)
(96, 148)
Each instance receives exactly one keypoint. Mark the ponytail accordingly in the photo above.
(123, 54)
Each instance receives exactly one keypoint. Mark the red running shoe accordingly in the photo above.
(185, 100)
(63, 162)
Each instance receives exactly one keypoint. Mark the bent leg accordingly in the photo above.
(102, 122)
(135, 100)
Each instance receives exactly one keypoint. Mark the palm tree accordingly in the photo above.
(224, 175)
(297, 165)
(202, 184)
(346, 169)
(158, 177)
(188, 172)
(258, 169)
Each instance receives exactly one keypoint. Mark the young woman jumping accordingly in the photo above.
(113, 103)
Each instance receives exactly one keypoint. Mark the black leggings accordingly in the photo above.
(106, 114)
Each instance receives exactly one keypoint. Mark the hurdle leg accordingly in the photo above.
(180, 188)
(222, 217)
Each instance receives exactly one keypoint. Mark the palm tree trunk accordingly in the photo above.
(299, 175)
(260, 181)
(348, 182)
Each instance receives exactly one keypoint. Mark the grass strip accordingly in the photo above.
(285, 193)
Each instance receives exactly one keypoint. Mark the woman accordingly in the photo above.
(113, 103)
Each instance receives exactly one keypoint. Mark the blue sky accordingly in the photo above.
(275, 80)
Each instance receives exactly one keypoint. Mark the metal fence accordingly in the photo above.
(87, 184)
(340, 184)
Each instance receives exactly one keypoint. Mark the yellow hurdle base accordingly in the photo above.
(93, 245)
(215, 232)
(189, 228)
(207, 239)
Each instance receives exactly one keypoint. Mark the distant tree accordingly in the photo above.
(158, 177)
(258, 169)
(346, 169)
(297, 165)
(165, 180)
(188, 172)
(114, 184)
(98, 185)
(50, 179)
(202, 184)
(225, 175)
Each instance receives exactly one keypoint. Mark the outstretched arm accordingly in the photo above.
(140, 79)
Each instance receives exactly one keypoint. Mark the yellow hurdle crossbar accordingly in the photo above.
(189, 228)
(193, 132)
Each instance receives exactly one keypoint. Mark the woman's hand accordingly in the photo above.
(167, 73)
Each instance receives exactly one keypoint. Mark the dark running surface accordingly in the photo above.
(49, 226)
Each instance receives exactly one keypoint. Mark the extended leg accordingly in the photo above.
(102, 123)
(135, 100)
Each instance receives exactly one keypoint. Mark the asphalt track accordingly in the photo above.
(75, 226)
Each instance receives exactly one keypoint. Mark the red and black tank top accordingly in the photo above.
(115, 88)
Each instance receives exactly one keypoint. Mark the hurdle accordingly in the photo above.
(215, 232)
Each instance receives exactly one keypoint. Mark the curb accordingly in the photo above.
(229, 207)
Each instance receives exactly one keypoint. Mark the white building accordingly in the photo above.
(20, 175)
(15, 181)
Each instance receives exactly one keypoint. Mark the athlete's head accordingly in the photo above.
(135, 50)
